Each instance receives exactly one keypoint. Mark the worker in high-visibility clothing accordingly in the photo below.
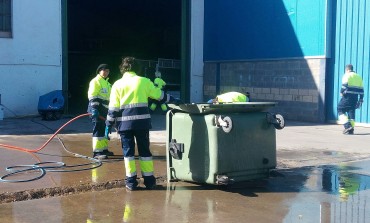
(230, 97)
(128, 109)
(98, 94)
(161, 84)
(352, 94)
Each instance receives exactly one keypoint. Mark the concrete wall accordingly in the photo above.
(298, 85)
(30, 61)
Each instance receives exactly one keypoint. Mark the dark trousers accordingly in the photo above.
(350, 113)
(99, 142)
(98, 128)
(128, 147)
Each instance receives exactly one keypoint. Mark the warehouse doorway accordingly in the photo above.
(100, 32)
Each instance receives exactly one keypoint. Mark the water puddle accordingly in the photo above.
(327, 193)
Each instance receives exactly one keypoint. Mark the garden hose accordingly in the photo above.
(42, 167)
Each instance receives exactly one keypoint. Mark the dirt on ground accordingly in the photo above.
(7, 197)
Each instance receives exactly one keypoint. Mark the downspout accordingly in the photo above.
(64, 57)
(185, 50)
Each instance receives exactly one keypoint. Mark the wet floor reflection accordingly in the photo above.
(333, 194)
(311, 194)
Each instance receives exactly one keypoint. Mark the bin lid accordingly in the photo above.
(236, 107)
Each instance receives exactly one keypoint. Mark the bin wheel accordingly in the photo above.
(280, 121)
(229, 126)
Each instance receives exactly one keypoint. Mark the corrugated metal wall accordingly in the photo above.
(351, 35)
(255, 29)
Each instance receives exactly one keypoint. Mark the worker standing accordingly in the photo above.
(98, 94)
(352, 94)
(161, 84)
(128, 109)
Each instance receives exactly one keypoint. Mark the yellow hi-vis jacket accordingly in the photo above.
(232, 97)
(159, 82)
(352, 84)
(128, 105)
(352, 89)
(98, 94)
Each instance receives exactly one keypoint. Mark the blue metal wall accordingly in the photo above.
(255, 29)
(351, 45)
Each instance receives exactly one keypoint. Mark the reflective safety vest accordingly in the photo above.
(98, 94)
(159, 82)
(128, 105)
(352, 85)
(232, 97)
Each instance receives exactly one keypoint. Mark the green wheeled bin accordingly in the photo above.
(221, 143)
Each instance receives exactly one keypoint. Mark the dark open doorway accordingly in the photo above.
(104, 32)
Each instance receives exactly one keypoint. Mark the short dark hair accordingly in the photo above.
(129, 64)
(349, 67)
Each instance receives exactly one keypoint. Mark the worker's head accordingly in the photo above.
(158, 74)
(103, 70)
(349, 68)
(129, 64)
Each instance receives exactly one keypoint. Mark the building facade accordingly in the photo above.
(30, 53)
(288, 51)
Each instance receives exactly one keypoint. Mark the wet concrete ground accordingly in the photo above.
(322, 176)
(307, 194)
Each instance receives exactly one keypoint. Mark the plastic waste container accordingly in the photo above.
(221, 143)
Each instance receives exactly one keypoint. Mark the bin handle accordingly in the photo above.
(225, 122)
(276, 119)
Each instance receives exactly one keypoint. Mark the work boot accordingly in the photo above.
(150, 182)
(151, 187)
(107, 153)
(131, 188)
(351, 132)
(99, 156)
(131, 183)
(348, 131)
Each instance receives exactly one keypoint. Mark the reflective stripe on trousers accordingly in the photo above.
(130, 166)
(343, 119)
(99, 144)
(146, 166)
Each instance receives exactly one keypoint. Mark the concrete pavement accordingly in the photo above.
(298, 144)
